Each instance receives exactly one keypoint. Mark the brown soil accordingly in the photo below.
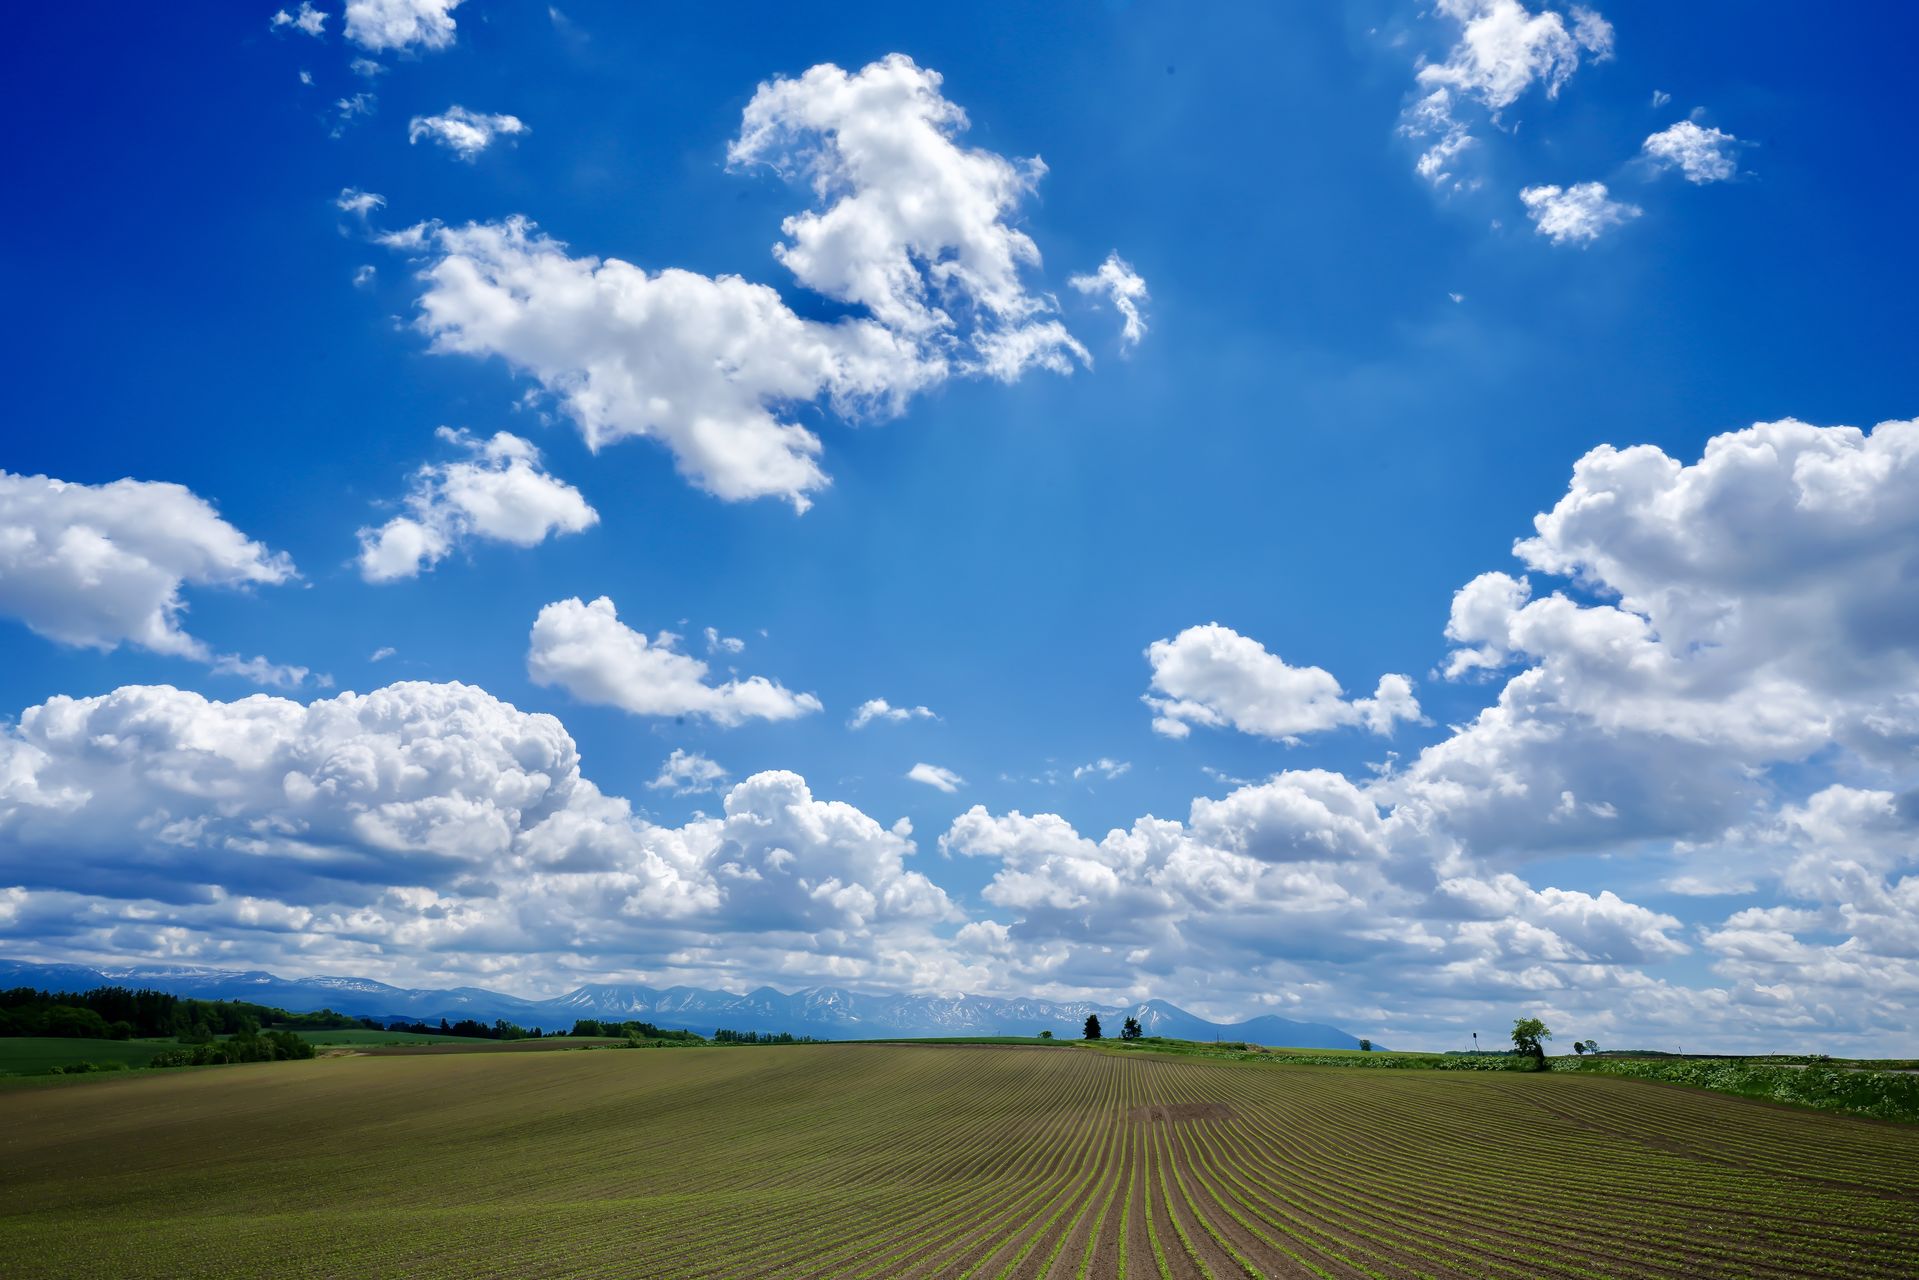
(1174, 1112)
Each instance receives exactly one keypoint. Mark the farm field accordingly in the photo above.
(38, 1055)
(896, 1160)
(359, 1037)
(33, 1055)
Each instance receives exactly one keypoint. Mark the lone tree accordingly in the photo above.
(1092, 1027)
(1365, 1046)
(1527, 1035)
(1131, 1031)
(1046, 1035)
(1592, 1046)
(1579, 1047)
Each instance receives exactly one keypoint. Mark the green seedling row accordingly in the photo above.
(990, 1162)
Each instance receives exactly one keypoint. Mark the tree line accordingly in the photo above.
(723, 1036)
(120, 1013)
(467, 1028)
(633, 1031)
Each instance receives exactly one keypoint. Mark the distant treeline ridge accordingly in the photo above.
(122, 1013)
(119, 1013)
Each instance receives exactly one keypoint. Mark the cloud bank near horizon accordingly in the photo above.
(1701, 670)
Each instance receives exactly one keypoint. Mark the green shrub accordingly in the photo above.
(1883, 1095)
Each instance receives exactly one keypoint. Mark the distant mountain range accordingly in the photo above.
(830, 1013)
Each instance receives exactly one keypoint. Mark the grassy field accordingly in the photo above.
(442, 1046)
(897, 1160)
(359, 1037)
(36, 1055)
(44, 1055)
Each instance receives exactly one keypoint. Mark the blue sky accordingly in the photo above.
(1357, 385)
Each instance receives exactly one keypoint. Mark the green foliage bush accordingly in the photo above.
(1883, 1095)
(273, 1046)
(634, 1030)
(1376, 1060)
(469, 1029)
(723, 1036)
(1413, 1062)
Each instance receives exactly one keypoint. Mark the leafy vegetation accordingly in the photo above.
(1858, 1089)
(117, 1013)
(469, 1029)
(1529, 1035)
(67, 1032)
(894, 1160)
(114, 1029)
(633, 1031)
(1240, 1051)
(248, 1046)
(723, 1036)
(1885, 1095)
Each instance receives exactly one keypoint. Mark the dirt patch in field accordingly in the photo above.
(1172, 1112)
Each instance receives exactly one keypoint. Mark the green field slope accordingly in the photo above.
(37, 1055)
(900, 1160)
(351, 1036)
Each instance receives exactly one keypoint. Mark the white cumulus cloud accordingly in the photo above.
(1578, 214)
(914, 226)
(497, 492)
(465, 133)
(909, 227)
(687, 773)
(1211, 675)
(1299, 878)
(1703, 154)
(400, 24)
(935, 776)
(98, 566)
(705, 365)
(1702, 667)
(305, 19)
(1749, 611)
(428, 820)
(1503, 49)
(586, 650)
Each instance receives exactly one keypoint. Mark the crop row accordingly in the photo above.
(995, 1163)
